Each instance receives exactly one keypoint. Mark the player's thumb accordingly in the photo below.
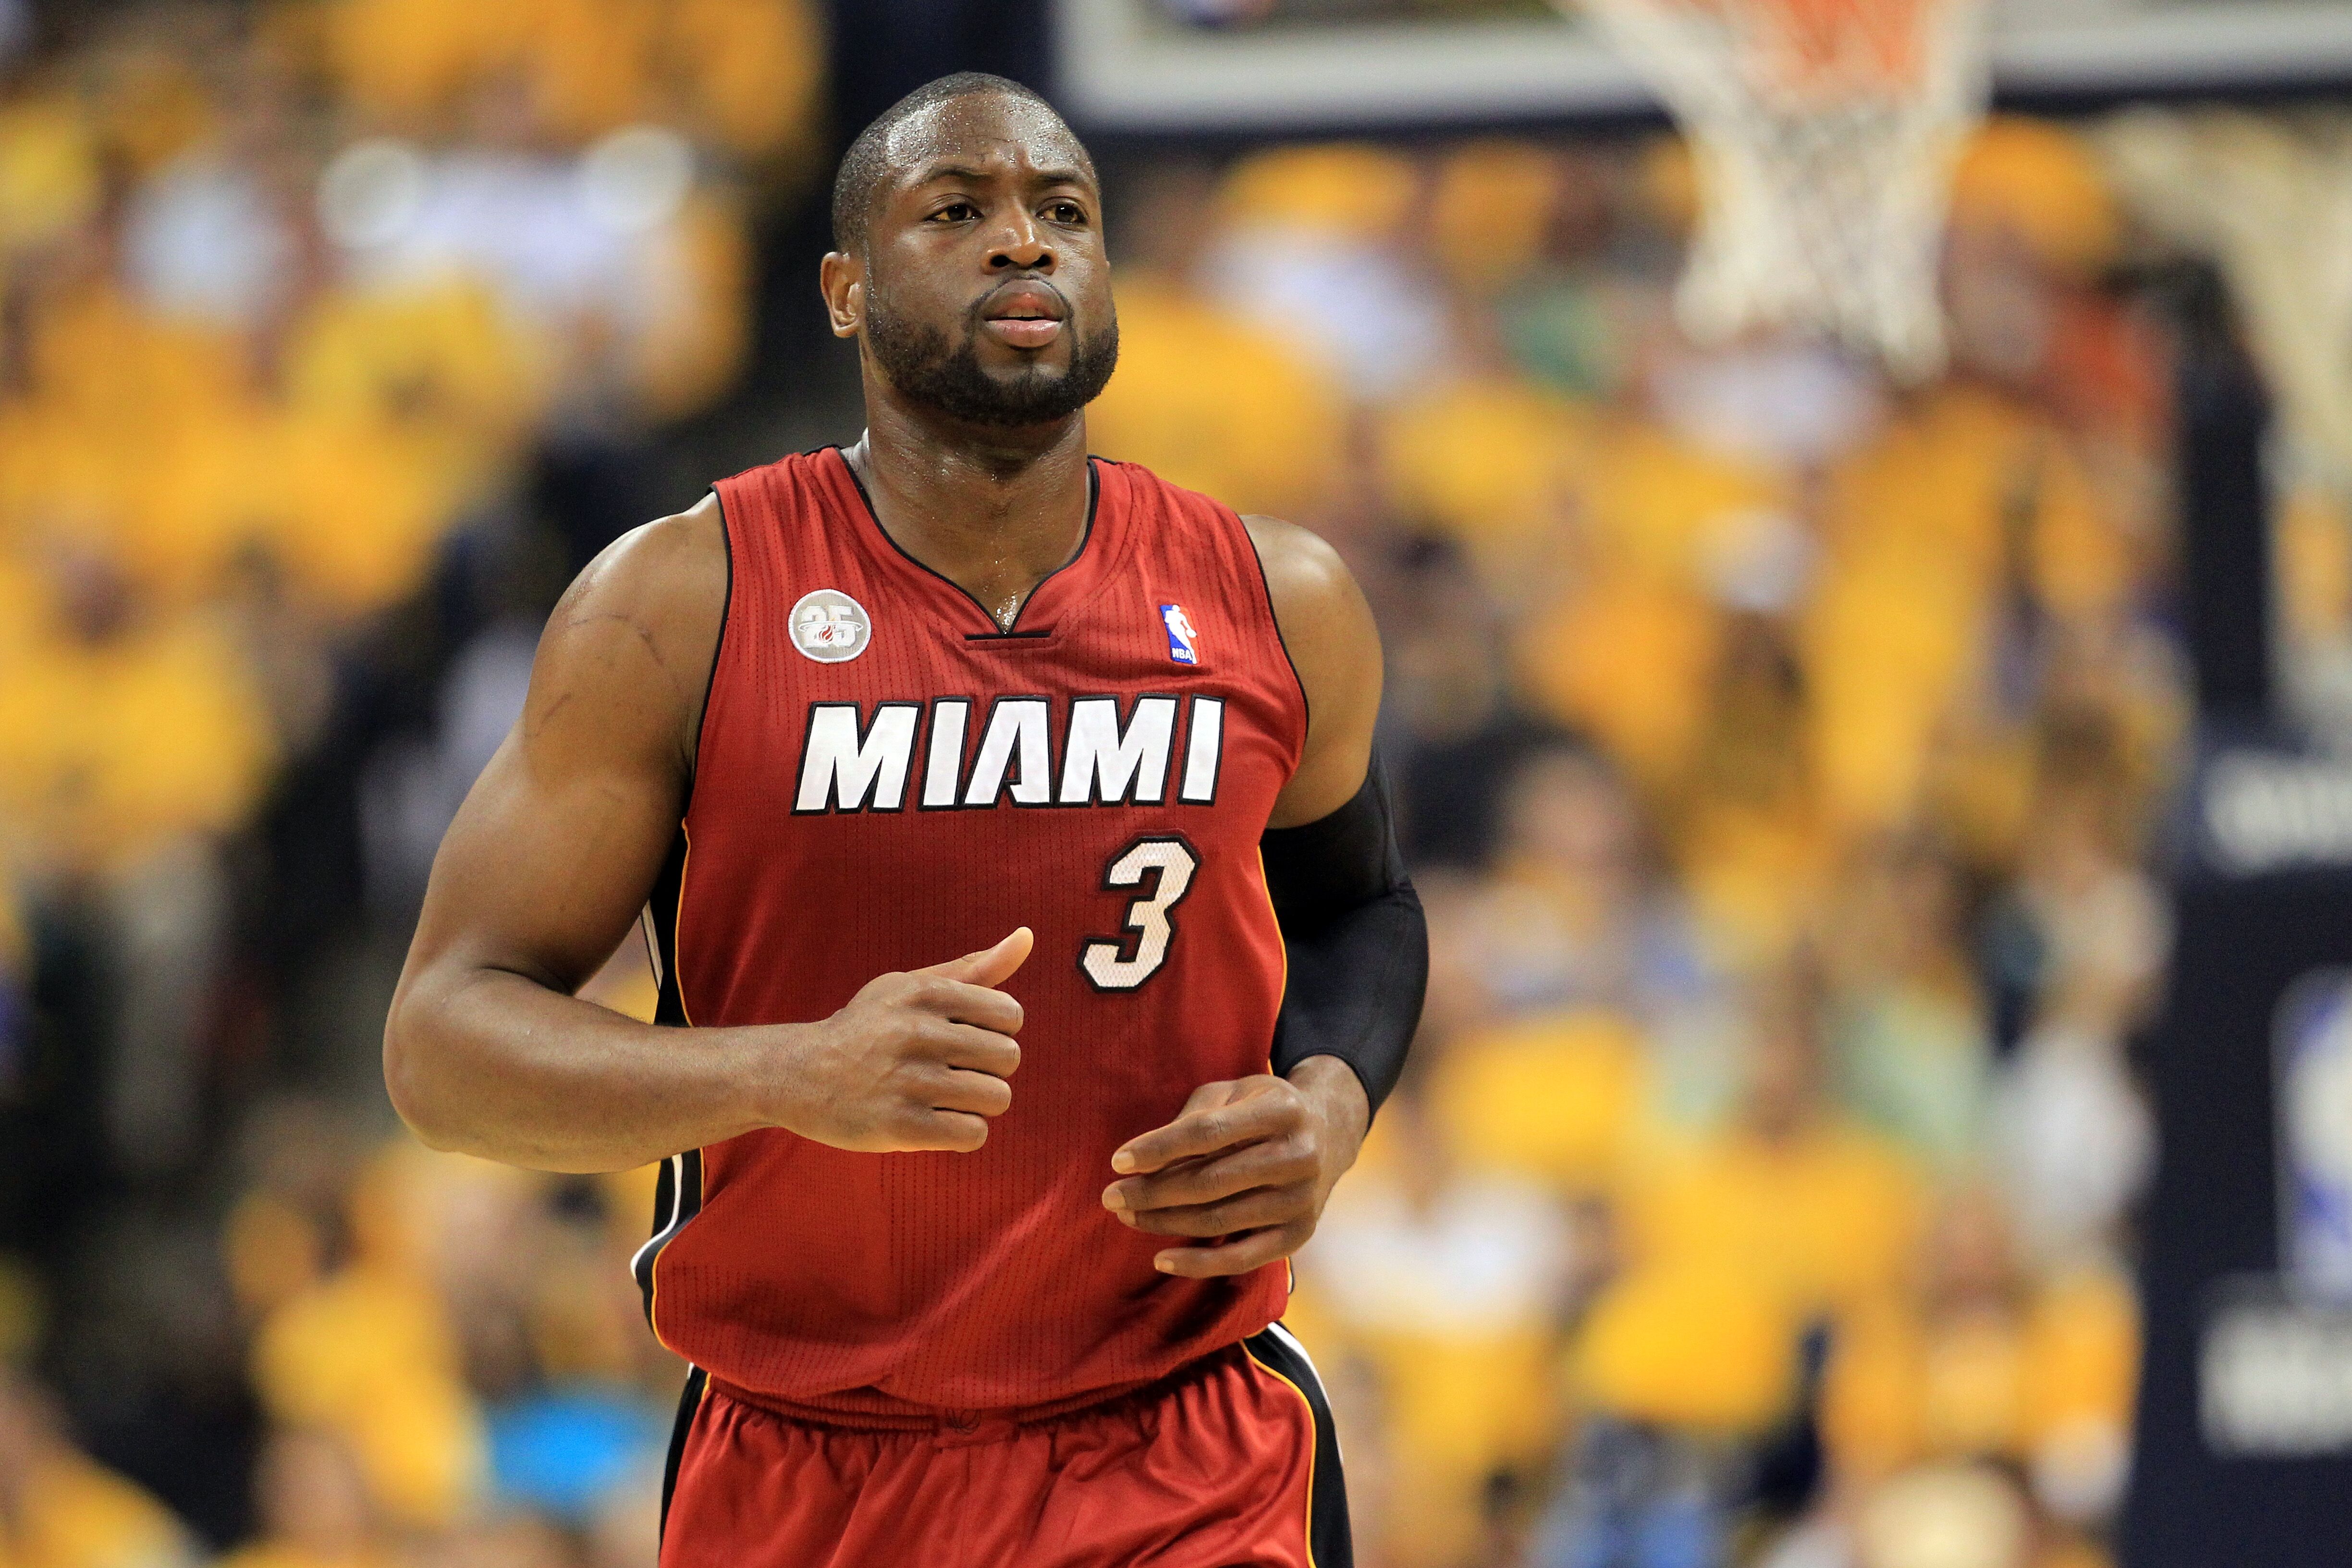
(991, 966)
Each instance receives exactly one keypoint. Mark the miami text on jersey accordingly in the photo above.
(854, 762)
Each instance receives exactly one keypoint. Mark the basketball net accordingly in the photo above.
(1824, 134)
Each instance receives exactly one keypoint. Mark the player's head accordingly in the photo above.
(969, 255)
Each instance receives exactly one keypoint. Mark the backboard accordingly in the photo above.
(1272, 65)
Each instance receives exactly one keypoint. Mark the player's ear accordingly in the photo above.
(841, 278)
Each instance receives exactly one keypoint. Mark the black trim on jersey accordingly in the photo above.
(677, 1198)
(659, 924)
(678, 1188)
(1265, 585)
(669, 1003)
(1330, 1543)
(995, 632)
(718, 650)
(689, 1400)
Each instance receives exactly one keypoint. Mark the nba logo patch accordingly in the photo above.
(1182, 641)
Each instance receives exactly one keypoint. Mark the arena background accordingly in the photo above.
(1886, 1094)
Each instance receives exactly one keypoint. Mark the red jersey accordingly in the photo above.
(885, 780)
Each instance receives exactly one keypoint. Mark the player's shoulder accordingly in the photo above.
(1305, 577)
(672, 566)
(1322, 616)
(1305, 580)
(641, 623)
(1296, 555)
(1168, 502)
(778, 478)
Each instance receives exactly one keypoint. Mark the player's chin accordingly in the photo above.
(1026, 370)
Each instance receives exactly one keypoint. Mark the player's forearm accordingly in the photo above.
(1356, 940)
(489, 1062)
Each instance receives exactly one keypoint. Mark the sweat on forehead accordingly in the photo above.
(930, 122)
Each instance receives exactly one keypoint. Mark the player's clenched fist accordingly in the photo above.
(917, 1060)
(1244, 1170)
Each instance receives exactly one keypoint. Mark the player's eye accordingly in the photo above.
(955, 212)
(1066, 213)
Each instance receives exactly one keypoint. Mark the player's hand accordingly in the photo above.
(917, 1060)
(1245, 1168)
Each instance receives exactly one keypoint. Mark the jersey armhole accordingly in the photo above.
(718, 655)
(1273, 619)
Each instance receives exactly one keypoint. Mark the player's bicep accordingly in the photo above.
(1328, 628)
(543, 871)
(553, 853)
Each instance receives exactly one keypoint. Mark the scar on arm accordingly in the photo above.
(687, 689)
(583, 619)
(546, 715)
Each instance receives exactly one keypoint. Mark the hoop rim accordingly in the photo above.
(1800, 55)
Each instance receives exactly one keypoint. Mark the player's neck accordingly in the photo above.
(994, 511)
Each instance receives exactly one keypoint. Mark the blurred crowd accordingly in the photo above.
(332, 336)
(1777, 748)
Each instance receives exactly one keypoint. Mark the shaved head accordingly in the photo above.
(870, 162)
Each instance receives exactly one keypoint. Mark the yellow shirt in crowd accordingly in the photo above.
(108, 753)
(1735, 1244)
(369, 1355)
(745, 71)
(79, 1515)
(276, 1554)
(1556, 1098)
(2057, 1370)
(1215, 405)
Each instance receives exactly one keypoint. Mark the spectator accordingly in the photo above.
(1202, 395)
(1742, 1249)
(372, 1352)
(1991, 1364)
(1316, 231)
(314, 1507)
(131, 741)
(1447, 1283)
(1453, 731)
(1912, 1048)
(1584, 915)
(58, 1509)
(2075, 1134)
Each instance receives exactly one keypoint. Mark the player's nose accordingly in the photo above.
(1022, 249)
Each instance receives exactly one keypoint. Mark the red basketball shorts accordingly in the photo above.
(1231, 1463)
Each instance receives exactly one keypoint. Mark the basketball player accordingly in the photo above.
(1031, 941)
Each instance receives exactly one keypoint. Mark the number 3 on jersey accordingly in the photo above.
(1150, 916)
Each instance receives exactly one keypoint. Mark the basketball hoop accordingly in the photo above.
(1824, 133)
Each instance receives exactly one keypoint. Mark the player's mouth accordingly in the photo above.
(1025, 315)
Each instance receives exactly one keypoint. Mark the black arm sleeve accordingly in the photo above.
(1359, 945)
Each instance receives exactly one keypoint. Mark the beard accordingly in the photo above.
(927, 368)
